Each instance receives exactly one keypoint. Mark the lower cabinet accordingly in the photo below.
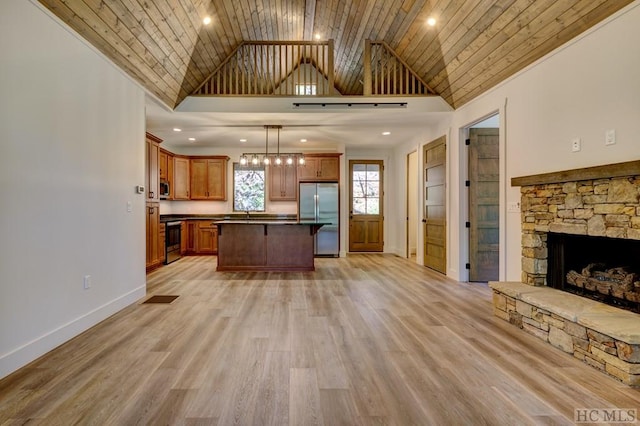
(184, 237)
(201, 237)
(207, 238)
(155, 236)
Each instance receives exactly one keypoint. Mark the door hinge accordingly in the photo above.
(467, 224)
(467, 266)
(467, 141)
(467, 183)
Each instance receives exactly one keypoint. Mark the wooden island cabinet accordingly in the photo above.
(253, 245)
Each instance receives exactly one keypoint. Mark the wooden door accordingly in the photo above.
(484, 189)
(435, 224)
(366, 205)
(180, 184)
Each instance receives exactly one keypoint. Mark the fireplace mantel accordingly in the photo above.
(628, 168)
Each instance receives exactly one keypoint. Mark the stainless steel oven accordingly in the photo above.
(172, 238)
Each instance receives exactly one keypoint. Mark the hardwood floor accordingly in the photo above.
(367, 339)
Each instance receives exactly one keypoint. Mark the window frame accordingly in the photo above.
(258, 167)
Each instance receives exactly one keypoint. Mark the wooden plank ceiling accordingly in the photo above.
(474, 45)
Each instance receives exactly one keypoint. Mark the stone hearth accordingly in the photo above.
(601, 201)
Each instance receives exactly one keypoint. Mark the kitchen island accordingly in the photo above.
(255, 245)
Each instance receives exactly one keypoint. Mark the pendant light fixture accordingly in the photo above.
(280, 159)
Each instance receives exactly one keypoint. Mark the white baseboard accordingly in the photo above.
(30, 351)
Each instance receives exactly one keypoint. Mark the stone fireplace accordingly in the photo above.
(581, 233)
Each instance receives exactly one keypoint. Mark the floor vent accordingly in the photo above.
(160, 299)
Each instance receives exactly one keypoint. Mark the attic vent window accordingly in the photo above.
(305, 89)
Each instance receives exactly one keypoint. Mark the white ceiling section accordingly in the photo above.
(222, 122)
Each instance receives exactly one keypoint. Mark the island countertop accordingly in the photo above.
(267, 222)
(266, 245)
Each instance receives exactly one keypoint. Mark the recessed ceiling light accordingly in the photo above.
(175, 129)
(303, 140)
(206, 20)
(243, 140)
(386, 133)
(431, 21)
(192, 139)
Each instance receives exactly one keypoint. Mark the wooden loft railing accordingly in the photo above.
(386, 74)
(272, 68)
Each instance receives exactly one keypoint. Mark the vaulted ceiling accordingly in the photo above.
(474, 45)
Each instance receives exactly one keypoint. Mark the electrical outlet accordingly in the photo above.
(86, 282)
(610, 137)
(576, 145)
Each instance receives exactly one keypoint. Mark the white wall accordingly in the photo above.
(581, 90)
(71, 153)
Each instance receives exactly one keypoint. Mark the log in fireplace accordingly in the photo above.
(600, 268)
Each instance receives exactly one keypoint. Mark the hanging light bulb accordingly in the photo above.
(266, 161)
(301, 161)
(254, 160)
(243, 160)
(289, 160)
(278, 161)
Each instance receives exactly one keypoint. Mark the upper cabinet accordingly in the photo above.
(180, 184)
(152, 156)
(320, 167)
(209, 178)
(282, 183)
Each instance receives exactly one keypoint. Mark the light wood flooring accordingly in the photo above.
(364, 340)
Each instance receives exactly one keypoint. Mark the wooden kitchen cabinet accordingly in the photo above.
(180, 183)
(163, 164)
(283, 182)
(320, 167)
(209, 178)
(184, 237)
(152, 176)
(192, 236)
(201, 237)
(207, 242)
(154, 253)
(162, 235)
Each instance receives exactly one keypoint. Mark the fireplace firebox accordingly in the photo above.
(600, 268)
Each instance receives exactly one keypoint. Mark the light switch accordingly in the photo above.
(610, 137)
(513, 207)
(129, 207)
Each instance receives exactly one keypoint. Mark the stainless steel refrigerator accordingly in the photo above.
(318, 202)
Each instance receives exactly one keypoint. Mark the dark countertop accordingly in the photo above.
(229, 216)
(267, 222)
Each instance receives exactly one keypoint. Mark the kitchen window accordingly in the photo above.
(248, 188)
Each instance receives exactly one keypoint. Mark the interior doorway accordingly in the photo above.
(484, 204)
(435, 210)
(412, 205)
